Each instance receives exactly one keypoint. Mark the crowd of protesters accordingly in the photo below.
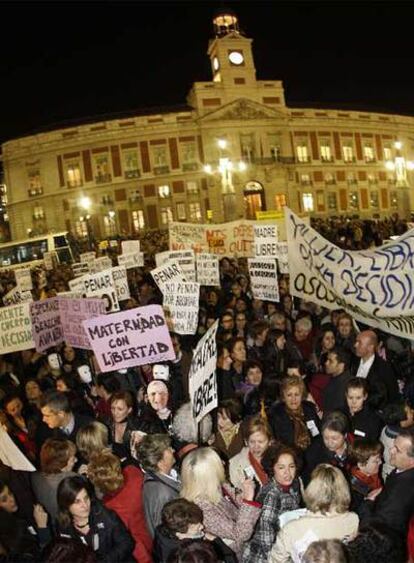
(309, 456)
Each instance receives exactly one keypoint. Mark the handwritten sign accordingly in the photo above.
(130, 338)
(202, 375)
(23, 279)
(15, 296)
(282, 257)
(182, 301)
(72, 314)
(208, 269)
(119, 275)
(80, 269)
(16, 328)
(130, 246)
(131, 260)
(102, 286)
(168, 272)
(265, 240)
(263, 278)
(47, 328)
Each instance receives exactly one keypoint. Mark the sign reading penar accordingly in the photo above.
(265, 240)
(130, 338)
(47, 328)
(202, 375)
(168, 272)
(15, 328)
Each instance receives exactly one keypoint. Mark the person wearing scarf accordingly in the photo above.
(366, 456)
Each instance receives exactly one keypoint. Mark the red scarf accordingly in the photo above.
(260, 472)
(371, 481)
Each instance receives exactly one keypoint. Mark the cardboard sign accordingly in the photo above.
(202, 375)
(47, 328)
(77, 285)
(130, 246)
(184, 258)
(182, 301)
(102, 286)
(131, 260)
(87, 257)
(23, 279)
(263, 279)
(130, 338)
(100, 264)
(49, 260)
(282, 257)
(72, 314)
(265, 240)
(15, 296)
(120, 278)
(16, 328)
(80, 269)
(208, 272)
(168, 272)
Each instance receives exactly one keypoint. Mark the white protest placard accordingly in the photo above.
(168, 272)
(49, 260)
(130, 338)
(16, 328)
(202, 375)
(102, 285)
(24, 279)
(77, 285)
(130, 246)
(87, 257)
(184, 258)
(283, 257)
(263, 278)
(182, 301)
(265, 240)
(80, 269)
(100, 264)
(374, 286)
(120, 278)
(131, 260)
(208, 272)
(15, 296)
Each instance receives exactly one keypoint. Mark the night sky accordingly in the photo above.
(62, 61)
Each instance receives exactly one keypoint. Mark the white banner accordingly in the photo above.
(263, 278)
(49, 260)
(23, 279)
(202, 375)
(87, 257)
(208, 269)
(374, 286)
(182, 301)
(265, 240)
(168, 272)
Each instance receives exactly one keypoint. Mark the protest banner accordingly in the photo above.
(182, 301)
(265, 240)
(188, 235)
(130, 246)
(374, 286)
(46, 325)
(202, 375)
(263, 278)
(101, 285)
(119, 275)
(80, 269)
(130, 338)
(15, 328)
(23, 279)
(72, 314)
(131, 260)
(208, 269)
(15, 296)
(282, 257)
(168, 272)
(185, 259)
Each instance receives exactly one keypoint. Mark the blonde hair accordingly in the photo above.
(202, 475)
(105, 472)
(327, 491)
(91, 439)
(256, 424)
(292, 381)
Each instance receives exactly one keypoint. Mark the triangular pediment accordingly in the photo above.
(242, 108)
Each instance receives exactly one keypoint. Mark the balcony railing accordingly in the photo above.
(132, 174)
(159, 170)
(103, 178)
(327, 159)
(303, 159)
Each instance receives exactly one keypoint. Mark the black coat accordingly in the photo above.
(395, 504)
(333, 395)
(318, 453)
(365, 423)
(282, 425)
(382, 384)
(43, 431)
(108, 535)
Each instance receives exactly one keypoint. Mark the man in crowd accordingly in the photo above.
(337, 366)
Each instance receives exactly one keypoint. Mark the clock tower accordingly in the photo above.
(230, 53)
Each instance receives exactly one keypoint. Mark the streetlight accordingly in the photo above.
(401, 166)
(86, 203)
(225, 168)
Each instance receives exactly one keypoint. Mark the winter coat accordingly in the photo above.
(45, 486)
(236, 466)
(275, 501)
(283, 427)
(235, 446)
(365, 423)
(157, 491)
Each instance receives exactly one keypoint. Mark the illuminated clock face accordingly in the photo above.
(236, 58)
(216, 64)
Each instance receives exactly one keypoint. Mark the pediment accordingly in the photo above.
(242, 108)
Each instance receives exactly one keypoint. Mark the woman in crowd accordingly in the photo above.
(257, 436)
(364, 421)
(91, 438)
(122, 492)
(225, 384)
(84, 518)
(241, 324)
(281, 494)
(225, 516)
(57, 459)
(19, 426)
(33, 394)
(122, 423)
(276, 358)
(332, 447)
(161, 482)
(327, 498)
(320, 379)
(238, 353)
(294, 420)
(254, 377)
(228, 438)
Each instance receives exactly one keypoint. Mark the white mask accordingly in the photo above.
(54, 361)
(161, 371)
(85, 373)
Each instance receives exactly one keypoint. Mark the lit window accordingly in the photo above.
(374, 199)
(131, 166)
(302, 153)
(332, 201)
(102, 170)
(369, 154)
(166, 215)
(73, 175)
(305, 179)
(159, 155)
(348, 152)
(192, 188)
(326, 153)
(351, 178)
(394, 200)
(38, 212)
(181, 213)
(195, 211)
(35, 182)
(188, 151)
(81, 229)
(274, 147)
(307, 200)
(280, 201)
(138, 221)
(387, 153)
(329, 178)
(109, 225)
(353, 200)
(164, 191)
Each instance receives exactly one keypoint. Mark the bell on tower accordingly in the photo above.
(225, 22)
